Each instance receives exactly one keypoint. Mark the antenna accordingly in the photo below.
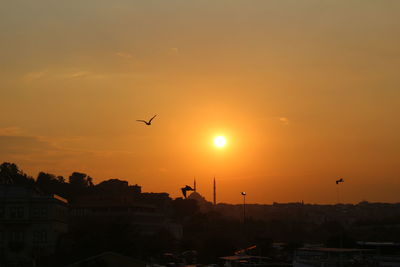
(194, 184)
(215, 193)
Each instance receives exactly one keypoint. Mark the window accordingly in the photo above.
(17, 212)
(17, 236)
(13, 213)
(43, 212)
(35, 212)
(79, 212)
(39, 237)
(39, 212)
(2, 212)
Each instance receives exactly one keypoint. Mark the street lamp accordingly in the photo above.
(244, 206)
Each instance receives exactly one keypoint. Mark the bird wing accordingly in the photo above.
(142, 121)
(152, 118)
(188, 188)
(183, 192)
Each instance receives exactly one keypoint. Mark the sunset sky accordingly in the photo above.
(303, 91)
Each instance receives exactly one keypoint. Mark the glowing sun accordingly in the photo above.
(220, 141)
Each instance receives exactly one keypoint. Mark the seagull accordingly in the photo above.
(147, 122)
(186, 188)
(340, 181)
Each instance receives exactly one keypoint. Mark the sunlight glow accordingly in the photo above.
(220, 141)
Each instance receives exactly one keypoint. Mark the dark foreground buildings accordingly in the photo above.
(35, 226)
(31, 223)
(43, 229)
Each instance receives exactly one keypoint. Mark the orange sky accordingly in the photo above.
(304, 91)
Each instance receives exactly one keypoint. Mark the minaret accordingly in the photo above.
(194, 184)
(215, 193)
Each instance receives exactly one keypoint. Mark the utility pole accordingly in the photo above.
(244, 206)
(338, 182)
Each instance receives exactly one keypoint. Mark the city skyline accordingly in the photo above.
(305, 92)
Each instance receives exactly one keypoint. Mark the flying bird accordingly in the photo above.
(147, 122)
(186, 188)
(339, 181)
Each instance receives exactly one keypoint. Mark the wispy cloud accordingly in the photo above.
(124, 55)
(78, 74)
(34, 75)
(19, 144)
(59, 74)
(173, 51)
(10, 131)
(14, 144)
(284, 120)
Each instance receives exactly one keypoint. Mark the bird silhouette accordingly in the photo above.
(147, 122)
(339, 181)
(186, 188)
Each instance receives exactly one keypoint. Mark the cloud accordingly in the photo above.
(35, 75)
(60, 74)
(173, 51)
(284, 120)
(35, 153)
(13, 141)
(34, 149)
(78, 74)
(10, 131)
(124, 55)
(22, 145)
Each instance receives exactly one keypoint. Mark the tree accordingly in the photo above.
(80, 180)
(51, 184)
(61, 179)
(46, 178)
(79, 183)
(11, 174)
(113, 186)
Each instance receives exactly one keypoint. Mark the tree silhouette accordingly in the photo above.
(51, 184)
(80, 180)
(11, 174)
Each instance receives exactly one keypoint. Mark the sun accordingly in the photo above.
(220, 141)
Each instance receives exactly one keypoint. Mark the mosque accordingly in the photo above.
(204, 205)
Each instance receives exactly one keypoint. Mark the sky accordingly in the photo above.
(305, 91)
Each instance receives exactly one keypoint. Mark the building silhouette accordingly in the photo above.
(31, 223)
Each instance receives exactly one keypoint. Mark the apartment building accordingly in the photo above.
(31, 223)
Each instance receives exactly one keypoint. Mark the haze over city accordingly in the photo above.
(304, 93)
